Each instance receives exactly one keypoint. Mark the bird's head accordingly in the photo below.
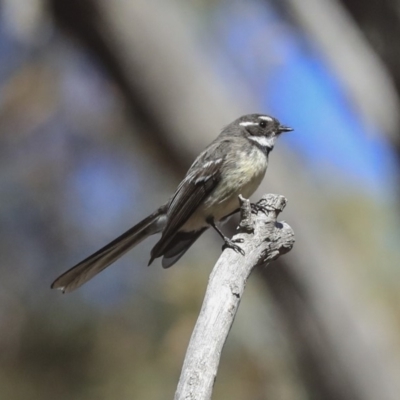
(262, 130)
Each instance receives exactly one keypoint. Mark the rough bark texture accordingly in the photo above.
(264, 240)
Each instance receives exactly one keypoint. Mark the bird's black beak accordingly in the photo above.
(283, 128)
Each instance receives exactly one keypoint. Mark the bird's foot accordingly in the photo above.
(256, 207)
(231, 244)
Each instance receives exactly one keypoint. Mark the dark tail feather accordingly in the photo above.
(91, 266)
(179, 246)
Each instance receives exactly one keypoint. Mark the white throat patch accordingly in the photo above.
(263, 141)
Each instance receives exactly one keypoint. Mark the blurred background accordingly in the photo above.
(103, 106)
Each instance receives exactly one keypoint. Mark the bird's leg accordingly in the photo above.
(228, 242)
(256, 207)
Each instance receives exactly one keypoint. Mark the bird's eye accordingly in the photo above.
(263, 124)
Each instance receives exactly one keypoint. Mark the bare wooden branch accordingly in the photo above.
(264, 240)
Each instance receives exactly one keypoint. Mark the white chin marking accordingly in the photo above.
(266, 118)
(263, 141)
(248, 123)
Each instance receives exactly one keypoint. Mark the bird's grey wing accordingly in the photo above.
(200, 181)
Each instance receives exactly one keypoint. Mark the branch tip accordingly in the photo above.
(246, 219)
(272, 204)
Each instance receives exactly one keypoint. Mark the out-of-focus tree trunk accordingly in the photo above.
(380, 22)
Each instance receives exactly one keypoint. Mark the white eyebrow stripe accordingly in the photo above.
(248, 123)
(265, 118)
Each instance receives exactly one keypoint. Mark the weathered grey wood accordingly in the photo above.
(264, 240)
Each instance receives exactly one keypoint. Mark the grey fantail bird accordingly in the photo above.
(234, 163)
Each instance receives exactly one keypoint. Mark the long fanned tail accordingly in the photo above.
(91, 266)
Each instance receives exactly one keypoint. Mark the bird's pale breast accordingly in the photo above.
(242, 177)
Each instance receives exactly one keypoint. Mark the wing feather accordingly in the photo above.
(201, 179)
